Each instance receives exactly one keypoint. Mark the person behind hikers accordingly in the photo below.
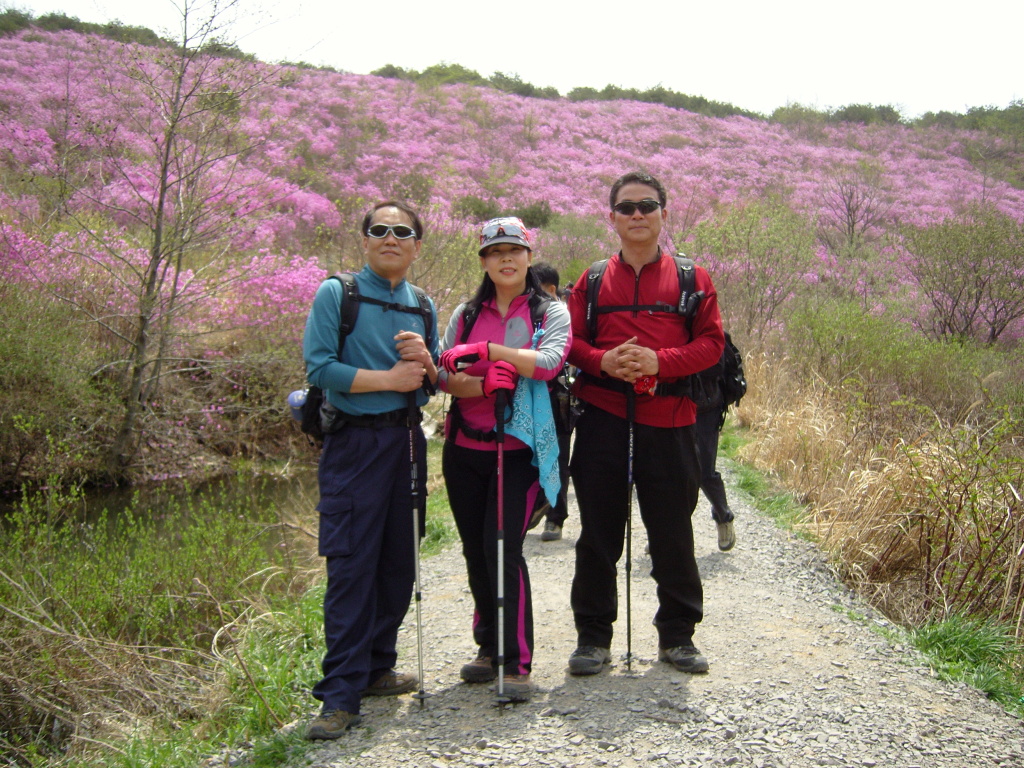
(556, 513)
(366, 525)
(501, 335)
(634, 350)
(710, 418)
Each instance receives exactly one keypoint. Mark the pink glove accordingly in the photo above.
(500, 376)
(464, 353)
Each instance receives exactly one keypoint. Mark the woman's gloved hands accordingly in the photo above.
(464, 354)
(500, 376)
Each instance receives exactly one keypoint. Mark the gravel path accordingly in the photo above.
(794, 680)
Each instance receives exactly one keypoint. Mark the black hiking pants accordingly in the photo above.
(666, 475)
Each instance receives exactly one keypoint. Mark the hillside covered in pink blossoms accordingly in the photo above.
(273, 168)
(329, 137)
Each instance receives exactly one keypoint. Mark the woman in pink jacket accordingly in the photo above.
(509, 329)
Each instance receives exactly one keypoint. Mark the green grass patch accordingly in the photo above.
(440, 531)
(981, 653)
(214, 581)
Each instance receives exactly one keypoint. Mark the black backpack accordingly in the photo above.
(721, 385)
(349, 310)
(734, 383)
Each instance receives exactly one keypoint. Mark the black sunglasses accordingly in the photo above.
(628, 207)
(401, 231)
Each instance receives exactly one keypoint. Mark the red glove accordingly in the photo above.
(644, 385)
(464, 353)
(500, 376)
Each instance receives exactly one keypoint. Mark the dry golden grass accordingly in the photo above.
(922, 517)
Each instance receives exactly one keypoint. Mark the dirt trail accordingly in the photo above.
(797, 677)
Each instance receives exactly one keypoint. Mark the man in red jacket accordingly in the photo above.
(632, 371)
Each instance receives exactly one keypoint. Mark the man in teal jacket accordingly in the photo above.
(366, 523)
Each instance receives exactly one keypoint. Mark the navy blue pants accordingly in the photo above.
(366, 536)
(710, 479)
(666, 475)
(471, 479)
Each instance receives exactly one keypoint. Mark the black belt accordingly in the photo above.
(399, 418)
(459, 425)
(681, 388)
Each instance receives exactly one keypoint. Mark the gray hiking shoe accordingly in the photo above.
(331, 725)
(685, 658)
(551, 532)
(588, 660)
(726, 536)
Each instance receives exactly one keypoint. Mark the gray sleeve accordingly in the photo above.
(449, 341)
(554, 344)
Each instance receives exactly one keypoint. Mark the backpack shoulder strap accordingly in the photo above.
(538, 308)
(594, 274)
(687, 280)
(349, 309)
(469, 316)
(689, 297)
(351, 298)
(428, 315)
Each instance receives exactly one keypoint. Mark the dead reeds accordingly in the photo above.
(921, 514)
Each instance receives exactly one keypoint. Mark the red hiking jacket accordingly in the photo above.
(678, 354)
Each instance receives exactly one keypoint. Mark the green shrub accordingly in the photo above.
(888, 360)
(52, 409)
(475, 208)
(13, 20)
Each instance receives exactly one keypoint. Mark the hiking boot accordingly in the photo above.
(551, 532)
(392, 683)
(726, 536)
(588, 660)
(331, 725)
(685, 658)
(538, 515)
(517, 687)
(479, 670)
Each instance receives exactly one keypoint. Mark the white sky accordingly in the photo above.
(918, 56)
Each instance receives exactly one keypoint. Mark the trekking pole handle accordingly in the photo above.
(500, 400)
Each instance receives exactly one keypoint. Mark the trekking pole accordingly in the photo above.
(630, 418)
(417, 500)
(499, 426)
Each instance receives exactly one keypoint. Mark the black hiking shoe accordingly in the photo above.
(588, 660)
(685, 658)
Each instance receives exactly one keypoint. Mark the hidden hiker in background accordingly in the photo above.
(723, 385)
(556, 513)
(635, 408)
(365, 475)
(494, 348)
